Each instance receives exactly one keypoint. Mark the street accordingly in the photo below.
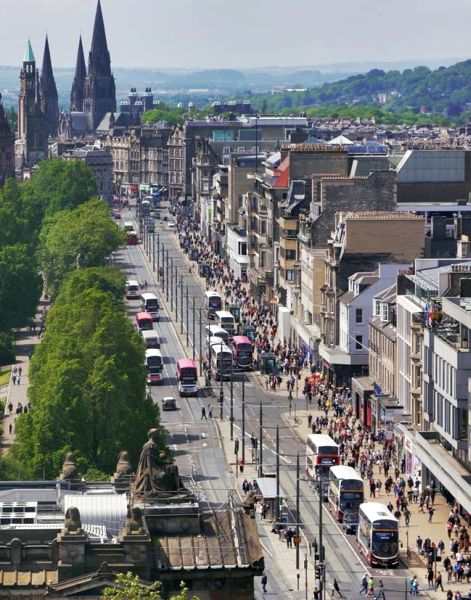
(199, 450)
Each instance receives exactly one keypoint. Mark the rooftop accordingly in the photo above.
(381, 215)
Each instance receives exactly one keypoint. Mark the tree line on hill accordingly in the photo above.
(87, 380)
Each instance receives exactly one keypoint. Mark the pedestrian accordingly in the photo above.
(316, 594)
(18, 380)
(210, 411)
(431, 510)
(407, 516)
(430, 577)
(364, 584)
(380, 593)
(14, 379)
(336, 588)
(438, 582)
(10, 407)
(264, 582)
(10, 428)
(20, 370)
(203, 413)
(371, 586)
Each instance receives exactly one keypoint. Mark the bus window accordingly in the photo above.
(225, 320)
(187, 377)
(378, 534)
(144, 321)
(216, 331)
(154, 366)
(242, 351)
(150, 303)
(345, 495)
(132, 289)
(221, 361)
(321, 454)
(212, 303)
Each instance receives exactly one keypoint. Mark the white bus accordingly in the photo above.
(378, 534)
(226, 320)
(212, 303)
(221, 361)
(345, 495)
(154, 366)
(132, 289)
(216, 331)
(150, 303)
(321, 454)
(151, 338)
(128, 226)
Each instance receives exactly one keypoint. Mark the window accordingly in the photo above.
(358, 342)
(384, 312)
(358, 315)
(377, 308)
(226, 150)
(289, 274)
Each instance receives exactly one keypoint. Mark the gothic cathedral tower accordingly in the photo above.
(100, 90)
(49, 97)
(32, 122)
(78, 86)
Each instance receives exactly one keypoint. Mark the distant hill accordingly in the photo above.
(443, 91)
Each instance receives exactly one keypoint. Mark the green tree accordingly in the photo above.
(72, 239)
(87, 387)
(130, 587)
(106, 279)
(58, 185)
(20, 286)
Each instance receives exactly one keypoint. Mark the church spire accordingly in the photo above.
(100, 89)
(48, 89)
(99, 62)
(78, 86)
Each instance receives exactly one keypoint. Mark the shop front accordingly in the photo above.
(362, 397)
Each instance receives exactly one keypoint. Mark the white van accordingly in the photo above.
(151, 338)
(150, 303)
(132, 289)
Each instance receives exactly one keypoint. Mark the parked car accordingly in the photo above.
(171, 224)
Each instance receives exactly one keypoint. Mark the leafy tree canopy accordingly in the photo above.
(130, 587)
(87, 388)
(106, 279)
(20, 286)
(72, 239)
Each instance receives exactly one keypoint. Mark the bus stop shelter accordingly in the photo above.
(267, 489)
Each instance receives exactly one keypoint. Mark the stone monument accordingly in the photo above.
(70, 471)
(124, 474)
(157, 478)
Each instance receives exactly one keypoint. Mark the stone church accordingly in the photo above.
(93, 91)
(93, 95)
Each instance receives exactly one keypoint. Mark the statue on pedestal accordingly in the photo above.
(72, 522)
(157, 476)
(69, 468)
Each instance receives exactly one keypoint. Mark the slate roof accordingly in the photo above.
(228, 539)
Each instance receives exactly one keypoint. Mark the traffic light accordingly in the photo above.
(254, 441)
(318, 572)
(236, 446)
(221, 397)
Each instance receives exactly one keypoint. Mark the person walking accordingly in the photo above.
(407, 516)
(264, 582)
(364, 584)
(438, 582)
(316, 594)
(210, 411)
(431, 510)
(380, 593)
(203, 413)
(371, 586)
(430, 577)
(336, 588)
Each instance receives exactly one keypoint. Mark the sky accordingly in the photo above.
(241, 33)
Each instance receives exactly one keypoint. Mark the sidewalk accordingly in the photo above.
(17, 395)
(419, 525)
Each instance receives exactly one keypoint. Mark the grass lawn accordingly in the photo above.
(4, 377)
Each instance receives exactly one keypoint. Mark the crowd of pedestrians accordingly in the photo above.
(373, 454)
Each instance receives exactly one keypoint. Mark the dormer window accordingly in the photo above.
(385, 312)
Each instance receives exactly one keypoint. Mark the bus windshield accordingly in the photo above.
(188, 375)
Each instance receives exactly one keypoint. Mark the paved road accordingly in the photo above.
(198, 450)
